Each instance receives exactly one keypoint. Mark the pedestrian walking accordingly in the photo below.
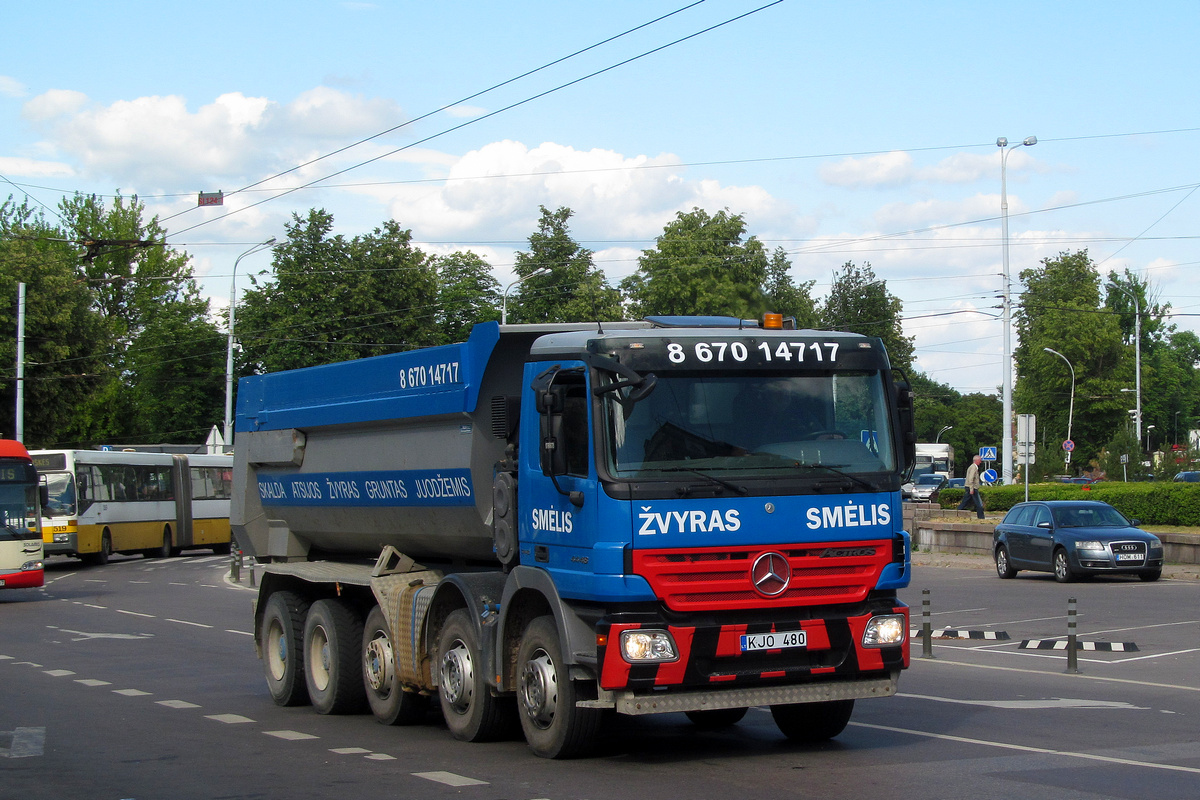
(971, 495)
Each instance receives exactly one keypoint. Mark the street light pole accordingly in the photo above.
(1071, 411)
(504, 298)
(1148, 429)
(939, 433)
(1006, 455)
(228, 432)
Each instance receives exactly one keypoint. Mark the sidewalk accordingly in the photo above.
(972, 561)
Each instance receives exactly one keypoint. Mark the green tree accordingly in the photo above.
(784, 296)
(701, 265)
(1060, 309)
(66, 344)
(860, 302)
(571, 289)
(335, 299)
(467, 294)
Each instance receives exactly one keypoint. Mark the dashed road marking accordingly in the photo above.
(58, 673)
(135, 613)
(291, 736)
(380, 757)
(449, 779)
(349, 751)
(185, 622)
(93, 682)
(229, 719)
(131, 692)
(240, 633)
(177, 704)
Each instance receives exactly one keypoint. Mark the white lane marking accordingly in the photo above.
(1083, 677)
(349, 751)
(229, 719)
(26, 742)
(131, 692)
(1053, 702)
(145, 582)
(177, 704)
(1107, 759)
(5, 658)
(380, 757)
(177, 584)
(93, 682)
(26, 664)
(449, 778)
(135, 613)
(291, 736)
(240, 633)
(92, 605)
(185, 622)
(82, 635)
(58, 673)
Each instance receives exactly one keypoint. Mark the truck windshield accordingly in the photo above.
(752, 423)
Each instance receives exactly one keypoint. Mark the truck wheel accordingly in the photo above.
(282, 645)
(813, 722)
(472, 712)
(716, 718)
(332, 641)
(390, 704)
(554, 726)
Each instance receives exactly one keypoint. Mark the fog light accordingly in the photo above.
(61, 538)
(885, 630)
(655, 646)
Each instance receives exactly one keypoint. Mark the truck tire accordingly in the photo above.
(281, 641)
(332, 648)
(390, 704)
(813, 722)
(472, 712)
(554, 726)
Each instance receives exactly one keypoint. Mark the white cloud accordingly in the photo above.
(11, 87)
(32, 168)
(898, 168)
(54, 103)
(465, 111)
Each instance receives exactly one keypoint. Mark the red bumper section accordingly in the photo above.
(30, 579)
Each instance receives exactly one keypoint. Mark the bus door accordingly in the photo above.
(181, 481)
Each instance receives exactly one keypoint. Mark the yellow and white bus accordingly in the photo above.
(101, 502)
(21, 564)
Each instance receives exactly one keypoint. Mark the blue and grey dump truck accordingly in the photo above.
(694, 515)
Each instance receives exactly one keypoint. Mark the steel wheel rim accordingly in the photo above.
(378, 664)
(276, 651)
(318, 658)
(458, 677)
(539, 689)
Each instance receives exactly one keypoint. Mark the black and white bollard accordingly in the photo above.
(1072, 639)
(926, 627)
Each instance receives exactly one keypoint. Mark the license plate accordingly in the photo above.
(1130, 557)
(772, 641)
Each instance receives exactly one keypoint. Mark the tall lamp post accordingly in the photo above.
(228, 433)
(939, 433)
(1005, 149)
(504, 299)
(1137, 358)
(1071, 409)
(1148, 429)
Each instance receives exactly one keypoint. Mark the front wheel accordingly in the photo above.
(332, 641)
(390, 704)
(472, 712)
(554, 726)
(1062, 567)
(1004, 567)
(813, 722)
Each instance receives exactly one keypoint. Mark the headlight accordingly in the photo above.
(656, 646)
(1089, 546)
(29, 566)
(881, 631)
(61, 538)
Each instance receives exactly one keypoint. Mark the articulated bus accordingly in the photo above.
(20, 537)
(101, 502)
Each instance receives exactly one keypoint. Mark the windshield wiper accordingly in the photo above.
(720, 482)
(860, 481)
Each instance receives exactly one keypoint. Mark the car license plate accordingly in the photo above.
(1130, 557)
(773, 641)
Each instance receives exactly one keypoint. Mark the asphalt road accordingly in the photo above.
(138, 680)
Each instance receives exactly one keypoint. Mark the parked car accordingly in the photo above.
(956, 483)
(1187, 477)
(927, 486)
(1072, 538)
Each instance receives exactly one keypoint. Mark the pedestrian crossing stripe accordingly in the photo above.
(1061, 644)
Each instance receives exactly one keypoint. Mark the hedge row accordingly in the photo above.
(1150, 503)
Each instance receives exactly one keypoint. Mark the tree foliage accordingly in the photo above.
(571, 288)
(467, 294)
(860, 302)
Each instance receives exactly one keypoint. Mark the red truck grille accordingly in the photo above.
(709, 579)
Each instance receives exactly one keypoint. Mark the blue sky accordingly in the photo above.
(842, 132)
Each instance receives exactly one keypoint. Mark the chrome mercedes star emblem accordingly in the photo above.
(771, 574)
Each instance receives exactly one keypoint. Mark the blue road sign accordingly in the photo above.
(987, 453)
(988, 476)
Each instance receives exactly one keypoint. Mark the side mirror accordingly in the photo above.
(908, 424)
